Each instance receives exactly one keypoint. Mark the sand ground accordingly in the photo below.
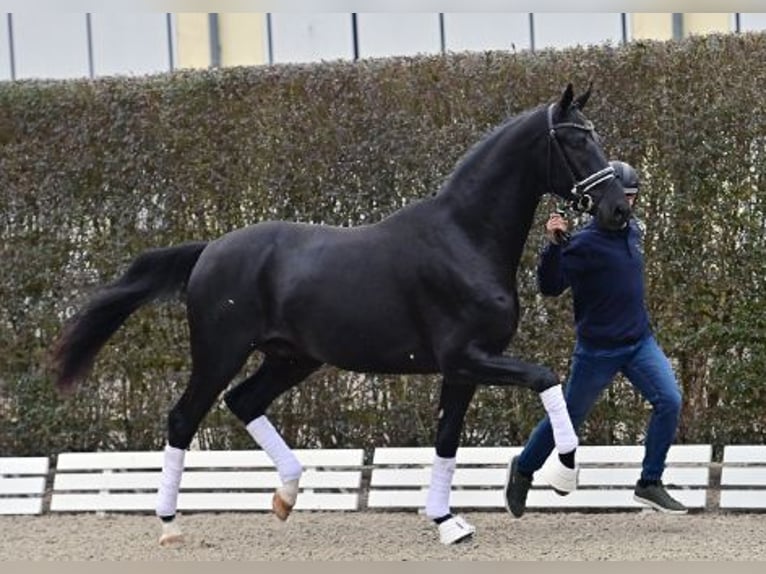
(388, 536)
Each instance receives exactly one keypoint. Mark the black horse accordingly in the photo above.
(429, 289)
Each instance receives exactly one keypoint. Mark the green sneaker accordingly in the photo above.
(655, 496)
(516, 488)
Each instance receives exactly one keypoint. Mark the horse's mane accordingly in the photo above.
(474, 155)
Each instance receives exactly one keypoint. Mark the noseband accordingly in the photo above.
(579, 197)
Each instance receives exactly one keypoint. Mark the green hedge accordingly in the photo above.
(94, 172)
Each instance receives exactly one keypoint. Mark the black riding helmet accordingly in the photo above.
(627, 176)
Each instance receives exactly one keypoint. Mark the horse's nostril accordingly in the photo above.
(622, 211)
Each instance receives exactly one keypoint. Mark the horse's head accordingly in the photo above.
(578, 170)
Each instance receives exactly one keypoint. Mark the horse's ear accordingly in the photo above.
(583, 98)
(566, 100)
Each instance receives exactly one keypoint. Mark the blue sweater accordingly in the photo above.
(605, 270)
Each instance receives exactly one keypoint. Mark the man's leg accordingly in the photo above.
(651, 373)
(592, 371)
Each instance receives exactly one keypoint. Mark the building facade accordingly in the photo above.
(71, 45)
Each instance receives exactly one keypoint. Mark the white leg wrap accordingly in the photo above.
(289, 491)
(437, 503)
(172, 469)
(563, 432)
(267, 437)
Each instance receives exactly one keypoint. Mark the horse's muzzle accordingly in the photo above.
(622, 214)
(615, 218)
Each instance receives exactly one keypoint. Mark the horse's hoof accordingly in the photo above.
(170, 539)
(171, 534)
(455, 530)
(562, 479)
(281, 507)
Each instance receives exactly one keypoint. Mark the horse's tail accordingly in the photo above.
(154, 273)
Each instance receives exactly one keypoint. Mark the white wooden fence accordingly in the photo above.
(338, 479)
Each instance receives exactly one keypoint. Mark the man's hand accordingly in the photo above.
(556, 229)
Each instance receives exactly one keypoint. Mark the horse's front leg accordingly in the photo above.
(477, 367)
(453, 404)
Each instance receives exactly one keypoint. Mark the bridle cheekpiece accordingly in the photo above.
(579, 197)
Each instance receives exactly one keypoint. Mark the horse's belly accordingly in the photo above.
(379, 347)
(383, 363)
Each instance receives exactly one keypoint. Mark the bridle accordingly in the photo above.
(579, 197)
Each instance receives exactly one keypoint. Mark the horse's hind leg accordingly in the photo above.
(453, 404)
(214, 365)
(249, 401)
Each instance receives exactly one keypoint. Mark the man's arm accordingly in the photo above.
(551, 279)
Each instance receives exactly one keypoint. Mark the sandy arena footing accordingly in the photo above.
(388, 536)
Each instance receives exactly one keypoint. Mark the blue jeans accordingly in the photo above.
(647, 368)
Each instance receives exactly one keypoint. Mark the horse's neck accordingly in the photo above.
(494, 200)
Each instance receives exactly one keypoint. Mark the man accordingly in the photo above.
(604, 270)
